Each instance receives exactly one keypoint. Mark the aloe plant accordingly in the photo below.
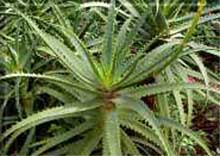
(18, 58)
(105, 92)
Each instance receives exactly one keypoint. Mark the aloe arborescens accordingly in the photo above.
(106, 93)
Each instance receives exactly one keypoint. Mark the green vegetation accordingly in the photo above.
(112, 77)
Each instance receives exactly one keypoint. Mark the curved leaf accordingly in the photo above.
(142, 109)
(112, 134)
(172, 124)
(51, 142)
(153, 89)
(48, 115)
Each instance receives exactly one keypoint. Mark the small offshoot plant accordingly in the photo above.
(107, 93)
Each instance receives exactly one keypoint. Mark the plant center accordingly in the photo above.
(108, 96)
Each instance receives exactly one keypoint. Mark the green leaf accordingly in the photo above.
(177, 96)
(56, 140)
(76, 93)
(128, 71)
(202, 69)
(47, 77)
(146, 143)
(142, 109)
(153, 89)
(101, 5)
(60, 16)
(151, 63)
(107, 52)
(74, 63)
(142, 129)
(45, 116)
(161, 21)
(187, 24)
(180, 106)
(119, 47)
(90, 141)
(112, 134)
(189, 94)
(191, 134)
(130, 8)
(29, 139)
(164, 109)
(156, 65)
(80, 49)
(129, 144)
(63, 97)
